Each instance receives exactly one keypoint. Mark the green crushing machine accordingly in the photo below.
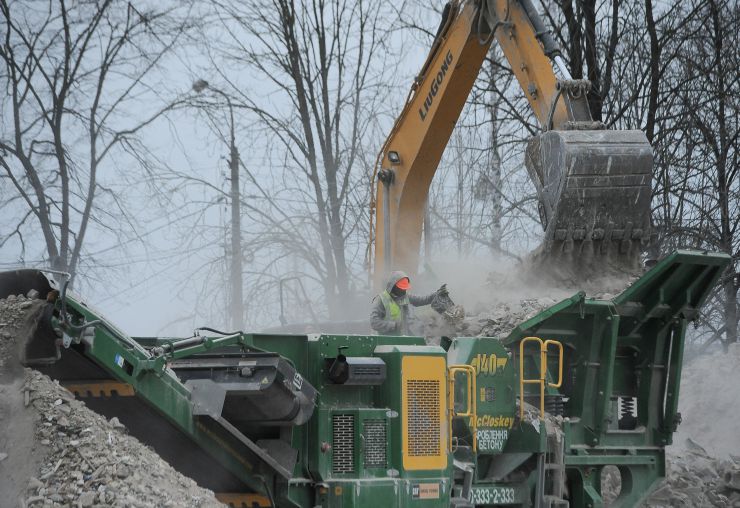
(529, 419)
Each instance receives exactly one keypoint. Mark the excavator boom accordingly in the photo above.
(593, 184)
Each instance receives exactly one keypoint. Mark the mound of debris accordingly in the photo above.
(13, 312)
(93, 461)
(503, 316)
(56, 452)
(694, 479)
(497, 319)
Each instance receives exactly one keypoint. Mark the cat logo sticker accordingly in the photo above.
(425, 491)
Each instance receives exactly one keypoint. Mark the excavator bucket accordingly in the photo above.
(594, 189)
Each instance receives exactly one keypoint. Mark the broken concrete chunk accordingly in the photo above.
(87, 499)
(34, 483)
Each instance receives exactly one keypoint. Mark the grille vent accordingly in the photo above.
(375, 443)
(343, 443)
(423, 418)
(368, 370)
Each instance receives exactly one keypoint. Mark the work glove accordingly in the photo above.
(442, 291)
(441, 302)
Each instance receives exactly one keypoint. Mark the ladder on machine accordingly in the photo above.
(550, 487)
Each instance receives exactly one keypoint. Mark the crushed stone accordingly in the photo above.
(92, 461)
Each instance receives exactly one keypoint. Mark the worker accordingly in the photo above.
(390, 312)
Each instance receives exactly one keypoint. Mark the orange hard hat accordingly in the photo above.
(403, 284)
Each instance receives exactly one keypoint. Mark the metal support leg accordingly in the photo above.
(539, 496)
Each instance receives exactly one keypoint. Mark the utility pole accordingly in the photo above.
(495, 161)
(236, 290)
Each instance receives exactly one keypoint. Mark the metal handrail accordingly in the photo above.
(472, 406)
(542, 380)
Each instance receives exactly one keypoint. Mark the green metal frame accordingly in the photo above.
(153, 382)
(631, 346)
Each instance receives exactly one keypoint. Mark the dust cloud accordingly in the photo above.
(499, 293)
(709, 403)
(478, 283)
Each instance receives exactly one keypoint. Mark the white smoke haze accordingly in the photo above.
(709, 403)
(478, 283)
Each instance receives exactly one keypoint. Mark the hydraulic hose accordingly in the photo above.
(551, 47)
(207, 329)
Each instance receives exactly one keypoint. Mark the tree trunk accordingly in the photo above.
(655, 55)
(573, 21)
(595, 100)
(495, 163)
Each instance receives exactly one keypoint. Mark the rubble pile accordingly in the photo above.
(13, 311)
(507, 299)
(93, 461)
(503, 316)
(55, 452)
(496, 319)
(20, 456)
(694, 479)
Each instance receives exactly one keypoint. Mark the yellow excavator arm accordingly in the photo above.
(410, 156)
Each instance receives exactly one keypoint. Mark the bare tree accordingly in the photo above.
(73, 77)
(702, 186)
(319, 65)
(481, 203)
(668, 75)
